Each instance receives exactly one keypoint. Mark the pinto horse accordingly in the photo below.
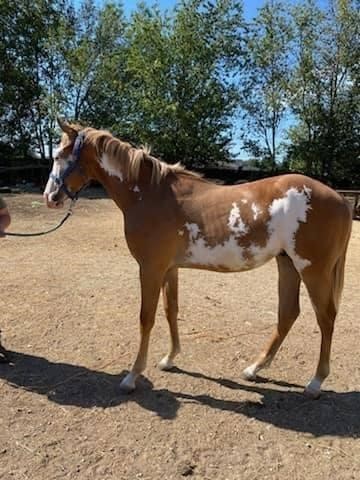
(175, 219)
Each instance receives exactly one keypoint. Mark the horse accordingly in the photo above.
(173, 218)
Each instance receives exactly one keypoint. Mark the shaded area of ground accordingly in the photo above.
(69, 304)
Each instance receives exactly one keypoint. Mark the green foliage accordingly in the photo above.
(181, 99)
(94, 38)
(22, 47)
(190, 81)
(263, 84)
(325, 93)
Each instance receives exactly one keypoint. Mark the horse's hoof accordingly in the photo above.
(313, 394)
(4, 355)
(313, 390)
(166, 364)
(4, 358)
(249, 373)
(127, 385)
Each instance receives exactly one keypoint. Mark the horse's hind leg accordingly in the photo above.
(288, 286)
(323, 296)
(170, 298)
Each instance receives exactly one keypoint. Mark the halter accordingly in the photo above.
(73, 165)
(79, 142)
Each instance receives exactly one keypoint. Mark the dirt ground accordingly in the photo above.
(69, 314)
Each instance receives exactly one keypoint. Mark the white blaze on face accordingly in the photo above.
(109, 167)
(51, 185)
(59, 166)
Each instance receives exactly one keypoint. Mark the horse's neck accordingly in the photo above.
(124, 193)
(118, 191)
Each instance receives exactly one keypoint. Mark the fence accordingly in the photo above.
(354, 198)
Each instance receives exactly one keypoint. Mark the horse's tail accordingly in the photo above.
(339, 268)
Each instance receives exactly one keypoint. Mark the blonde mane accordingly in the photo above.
(129, 158)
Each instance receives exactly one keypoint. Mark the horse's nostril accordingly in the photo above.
(54, 197)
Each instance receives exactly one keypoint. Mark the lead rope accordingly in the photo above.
(45, 232)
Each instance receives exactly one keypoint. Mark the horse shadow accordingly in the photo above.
(74, 385)
(334, 413)
(66, 384)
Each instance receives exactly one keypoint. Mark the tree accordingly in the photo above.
(95, 35)
(325, 140)
(32, 72)
(106, 99)
(263, 84)
(306, 19)
(181, 98)
(23, 34)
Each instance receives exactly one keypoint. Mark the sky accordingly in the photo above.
(250, 6)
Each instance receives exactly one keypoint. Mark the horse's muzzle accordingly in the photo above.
(54, 199)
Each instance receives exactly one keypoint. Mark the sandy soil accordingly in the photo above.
(69, 314)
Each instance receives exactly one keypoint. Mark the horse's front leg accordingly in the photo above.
(151, 281)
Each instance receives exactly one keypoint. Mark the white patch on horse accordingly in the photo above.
(181, 232)
(228, 254)
(256, 210)
(307, 190)
(286, 214)
(136, 189)
(244, 200)
(235, 222)
(109, 168)
(193, 230)
(59, 166)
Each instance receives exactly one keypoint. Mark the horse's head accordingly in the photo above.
(69, 173)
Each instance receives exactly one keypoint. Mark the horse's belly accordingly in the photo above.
(228, 256)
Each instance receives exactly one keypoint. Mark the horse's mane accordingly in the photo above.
(128, 157)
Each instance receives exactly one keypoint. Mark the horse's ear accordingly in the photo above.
(66, 127)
